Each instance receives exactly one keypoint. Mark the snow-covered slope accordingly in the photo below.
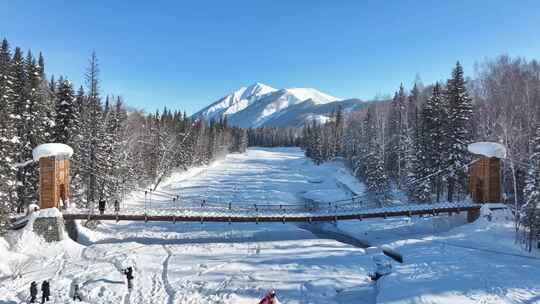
(260, 105)
(234, 102)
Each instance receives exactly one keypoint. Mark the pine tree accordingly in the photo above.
(375, 174)
(96, 133)
(530, 217)
(38, 123)
(422, 154)
(7, 135)
(80, 145)
(433, 118)
(458, 131)
(399, 142)
(67, 119)
(337, 133)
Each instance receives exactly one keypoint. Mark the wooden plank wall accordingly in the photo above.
(54, 179)
(485, 180)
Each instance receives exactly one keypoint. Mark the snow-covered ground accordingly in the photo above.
(446, 260)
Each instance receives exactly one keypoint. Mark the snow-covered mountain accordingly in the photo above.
(261, 105)
(235, 101)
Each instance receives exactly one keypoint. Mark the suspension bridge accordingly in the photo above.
(485, 179)
(356, 208)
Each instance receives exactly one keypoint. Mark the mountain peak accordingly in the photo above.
(259, 105)
(315, 95)
(256, 90)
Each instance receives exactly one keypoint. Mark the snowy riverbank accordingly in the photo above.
(446, 260)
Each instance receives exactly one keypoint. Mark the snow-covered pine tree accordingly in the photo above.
(53, 84)
(114, 119)
(30, 124)
(107, 159)
(80, 145)
(375, 176)
(41, 109)
(96, 133)
(20, 109)
(422, 155)
(338, 132)
(123, 171)
(433, 118)
(530, 211)
(40, 69)
(397, 149)
(457, 132)
(317, 143)
(67, 119)
(7, 136)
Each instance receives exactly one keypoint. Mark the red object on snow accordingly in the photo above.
(268, 298)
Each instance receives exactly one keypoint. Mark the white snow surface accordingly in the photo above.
(47, 212)
(51, 149)
(488, 149)
(446, 260)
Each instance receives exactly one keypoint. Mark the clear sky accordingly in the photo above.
(187, 54)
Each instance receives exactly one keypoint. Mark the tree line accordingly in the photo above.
(116, 149)
(416, 142)
(273, 137)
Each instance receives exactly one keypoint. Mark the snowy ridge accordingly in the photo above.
(261, 105)
(235, 101)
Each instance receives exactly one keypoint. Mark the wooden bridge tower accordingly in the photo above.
(54, 175)
(485, 172)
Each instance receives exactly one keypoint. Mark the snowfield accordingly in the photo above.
(446, 260)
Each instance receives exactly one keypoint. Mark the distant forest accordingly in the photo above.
(116, 149)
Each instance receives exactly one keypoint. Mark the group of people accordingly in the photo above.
(45, 291)
(269, 298)
(74, 292)
(102, 204)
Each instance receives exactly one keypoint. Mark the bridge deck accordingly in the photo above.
(268, 215)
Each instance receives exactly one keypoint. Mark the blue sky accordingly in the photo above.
(187, 54)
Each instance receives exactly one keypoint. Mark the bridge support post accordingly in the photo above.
(49, 225)
(473, 215)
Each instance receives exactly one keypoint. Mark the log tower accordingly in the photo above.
(54, 181)
(485, 172)
(54, 174)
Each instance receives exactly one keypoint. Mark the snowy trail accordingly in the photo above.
(165, 277)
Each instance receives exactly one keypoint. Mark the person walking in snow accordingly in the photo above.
(33, 292)
(269, 298)
(45, 291)
(101, 206)
(129, 276)
(116, 206)
(74, 291)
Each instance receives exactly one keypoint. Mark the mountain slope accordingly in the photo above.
(234, 102)
(260, 105)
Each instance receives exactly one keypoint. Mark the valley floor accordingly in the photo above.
(446, 260)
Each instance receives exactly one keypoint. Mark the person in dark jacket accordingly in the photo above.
(33, 292)
(129, 276)
(45, 291)
(101, 206)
